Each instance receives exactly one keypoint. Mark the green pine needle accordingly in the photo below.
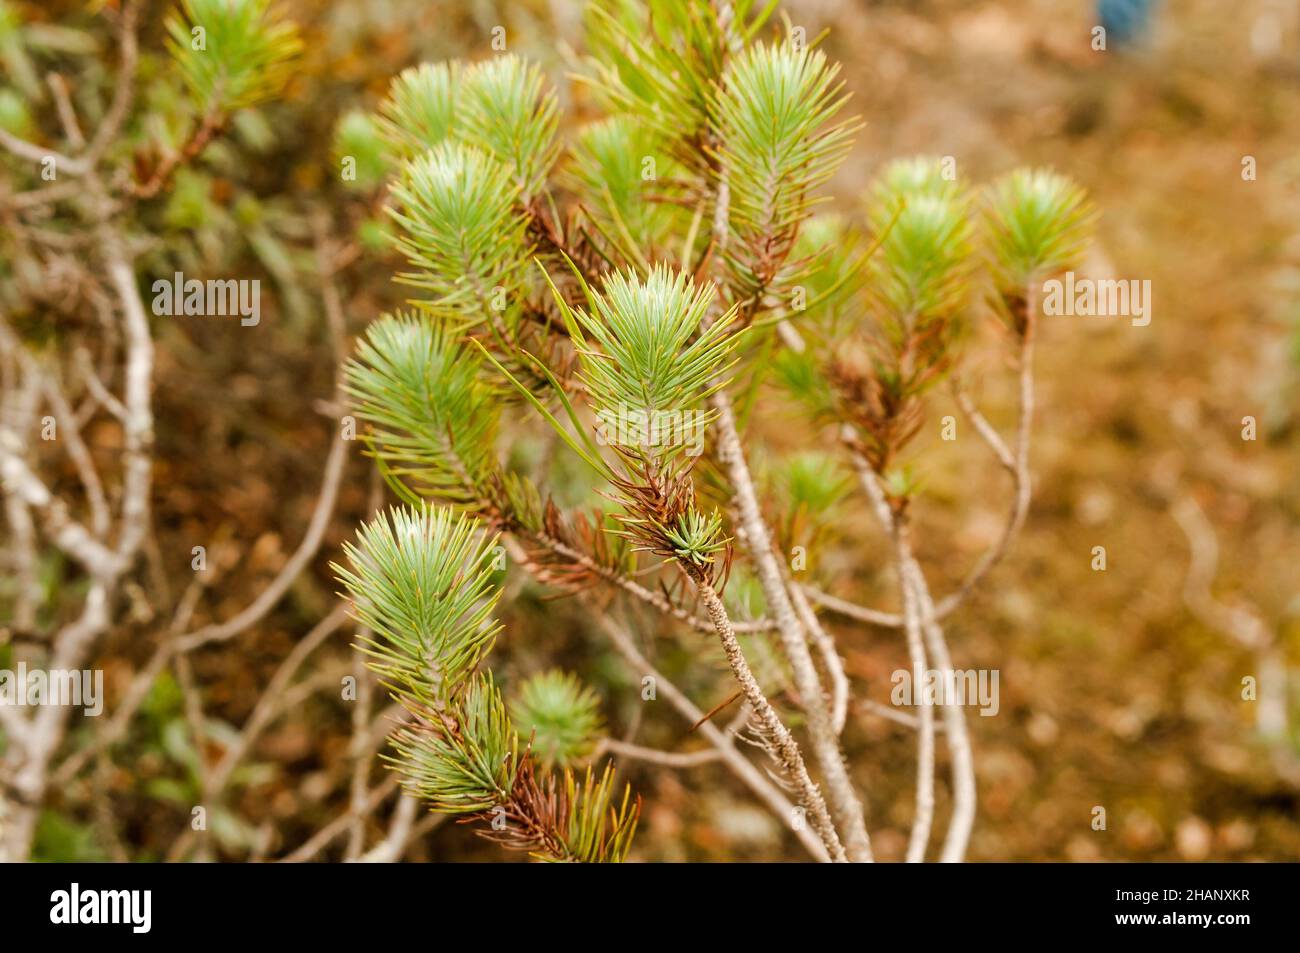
(1039, 224)
(773, 116)
(643, 346)
(814, 483)
(921, 273)
(246, 53)
(357, 138)
(420, 110)
(915, 176)
(607, 165)
(561, 714)
(422, 581)
(463, 230)
(800, 374)
(435, 420)
(660, 62)
(469, 770)
(505, 111)
(597, 831)
(696, 538)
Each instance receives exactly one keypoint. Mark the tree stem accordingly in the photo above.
(844, 803)
(775, 736)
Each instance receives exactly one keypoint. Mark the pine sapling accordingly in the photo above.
(637, 290)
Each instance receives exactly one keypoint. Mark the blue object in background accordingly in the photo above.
(1126, 21)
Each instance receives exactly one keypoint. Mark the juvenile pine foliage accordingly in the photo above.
(1039, 223)
(918, 283)
(562, 715)
(420, 110)
(506, 111)
(617, 291)
(650, 352)
(810, 486)
(434, 414)
(661, 61)
(422, 580)
(463, 232)
(641, 344)
(232, 53)
(632, 184)
(357, 138)
(773, 117)
(919, 276)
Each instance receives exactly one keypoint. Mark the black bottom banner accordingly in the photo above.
(1171, 904)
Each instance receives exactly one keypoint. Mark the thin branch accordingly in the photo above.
(293, 567)
(954, 719)
(665, 759)
(270, 703)
(843, 801)
(20, 405)
(124, 91)
(138, 467)
(68, 188)
(392, 847)
(98, 391)
(985, 429)
(81, 459)
(339, 826)
(895, 524)
(288, 701)
(732, 758)
(67, 115)
(65, 532)
(115, 730)
(629, 585)
(1019, 467)
(775, 737)
(324, 509)
(45, 730)
(888, 620)
(39, 154)
(919, 839)
(830, 656)
(889, 713)
(208, 128)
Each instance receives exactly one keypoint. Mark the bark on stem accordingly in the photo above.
(954, 720)
(913, 579)
(830, 655)
(737, 763)
(1020, 472)
(895, 524)
(924, 819)
(844, 803)
(775, 736)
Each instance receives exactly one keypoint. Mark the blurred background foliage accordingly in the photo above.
(1112, 692)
